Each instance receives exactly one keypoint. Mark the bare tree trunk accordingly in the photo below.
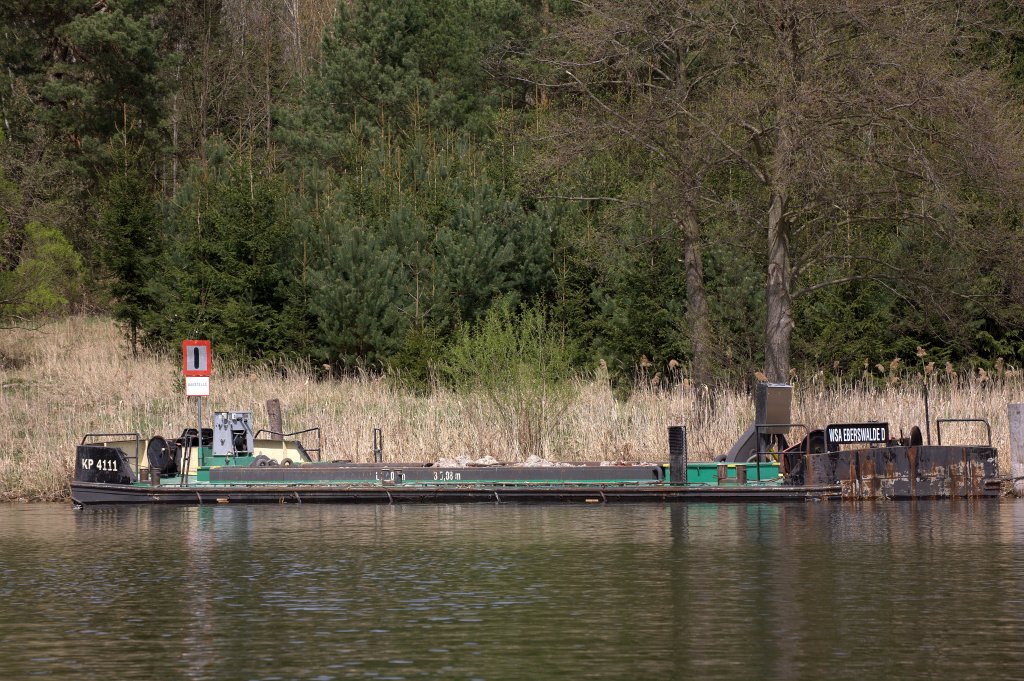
(779, 326)
(300, 64)
(174, 128)
(268, 92)
(696, 301)
(778, 332)
(543, 97)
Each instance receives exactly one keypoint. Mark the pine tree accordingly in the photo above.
(415, 240)
(226, 271)
(133, 232)
(400, 66)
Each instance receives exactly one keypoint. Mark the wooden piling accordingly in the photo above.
(1016, 420)
(274, 418)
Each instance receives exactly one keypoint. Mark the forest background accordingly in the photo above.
(671, 192)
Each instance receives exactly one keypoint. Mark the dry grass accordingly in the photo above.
(75, 377)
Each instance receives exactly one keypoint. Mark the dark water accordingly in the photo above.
(888, 590)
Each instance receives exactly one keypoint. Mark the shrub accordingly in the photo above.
(523, 370)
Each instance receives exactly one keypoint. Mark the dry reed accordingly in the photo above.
(75, 376)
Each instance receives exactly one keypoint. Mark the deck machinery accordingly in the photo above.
(230, 463)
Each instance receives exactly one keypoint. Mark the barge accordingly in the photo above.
(230, 463)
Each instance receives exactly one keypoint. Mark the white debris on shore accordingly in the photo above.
(629, 463)
(533, 461)
(465, 461)
(538, 462)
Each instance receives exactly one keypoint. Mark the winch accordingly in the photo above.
(232, 433)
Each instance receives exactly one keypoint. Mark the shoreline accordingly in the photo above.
(76, 377)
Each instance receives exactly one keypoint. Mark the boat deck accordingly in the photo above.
(104, 476)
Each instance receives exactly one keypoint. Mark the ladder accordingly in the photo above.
(186, 457)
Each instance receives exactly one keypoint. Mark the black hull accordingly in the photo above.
(88, 494)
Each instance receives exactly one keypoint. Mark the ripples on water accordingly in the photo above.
(928, 590)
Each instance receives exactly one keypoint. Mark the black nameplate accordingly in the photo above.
(855, 433)
(94, 463)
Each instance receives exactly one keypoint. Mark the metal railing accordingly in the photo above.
(758, 428)
(135, 436)
(187, 440)
(939, 422)
(316, 429)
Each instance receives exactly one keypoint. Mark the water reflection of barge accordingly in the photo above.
(229, 463)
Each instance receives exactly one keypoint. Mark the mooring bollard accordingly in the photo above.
(723, 473)
(378, 445)
(677, 455)
(1015, 412)
(741, 475)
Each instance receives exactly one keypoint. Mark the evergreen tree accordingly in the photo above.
(418, 238)
(133, 232)
(226, 273)
(77, 75)
(401, 65)
(91, 72)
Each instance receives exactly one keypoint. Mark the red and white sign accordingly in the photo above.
(197, 386)
(195, 357)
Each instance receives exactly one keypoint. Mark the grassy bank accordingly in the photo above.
(75, 376)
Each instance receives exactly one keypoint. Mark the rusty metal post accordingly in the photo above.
(741, 474)
(927, 416)
(274, 418)
(1015, 412)
(723, 473)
